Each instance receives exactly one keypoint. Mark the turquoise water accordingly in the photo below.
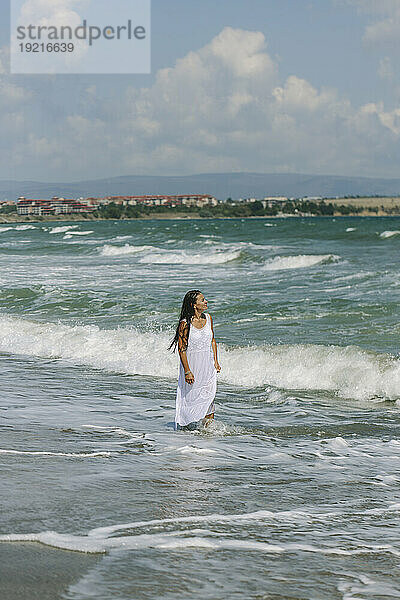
(292, 493)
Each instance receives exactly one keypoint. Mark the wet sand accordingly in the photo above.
(34, 572)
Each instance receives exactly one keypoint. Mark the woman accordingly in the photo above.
(197, 383)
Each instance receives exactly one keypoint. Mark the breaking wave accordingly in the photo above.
(63, 228)
(300, 261)
(110, 250)
(154, 255)
(196, 532)
(347, 371)
(388, 234)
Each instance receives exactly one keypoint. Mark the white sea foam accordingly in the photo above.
(348, 371)
(110, 429)
(351, 229)
(189, 258)
(387, 480)
(358, 275)
(235, 246)
(109, 250)
(63, 228)
(260, 515)
(3, 229)
(388, 234)
(188, 534)
(165, 541)
(71, 233)
(175, 541)
(44, 453)
(192, 450)
(338, 444)
(364, 587)
(154, 255)
(120, 238)
(299, 262)
(102, 539)
(120, 432)
(24, 227)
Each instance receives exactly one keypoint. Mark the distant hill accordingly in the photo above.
(221, 185)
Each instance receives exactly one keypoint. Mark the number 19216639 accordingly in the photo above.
(46, 47)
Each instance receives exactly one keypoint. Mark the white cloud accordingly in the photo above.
(391, 120)
(385, 28)
(382, 34)
(385, 70)
(374, 7)
(223, 107)
(56, 13)
(384, 31)
(14, 99)
(32, 10)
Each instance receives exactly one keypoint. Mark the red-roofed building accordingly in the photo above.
(55, 206)
(198, 200)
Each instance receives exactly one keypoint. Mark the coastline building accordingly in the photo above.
(198, 200)
(267, 202)
(65, 206)
(55, 206)
(274, 201)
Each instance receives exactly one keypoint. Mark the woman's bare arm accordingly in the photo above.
(214, 347)
(182, 346)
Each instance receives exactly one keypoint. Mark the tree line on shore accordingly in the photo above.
(229, 209)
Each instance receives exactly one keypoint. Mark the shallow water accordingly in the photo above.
(294, 490)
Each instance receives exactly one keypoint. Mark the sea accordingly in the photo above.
(293, 493)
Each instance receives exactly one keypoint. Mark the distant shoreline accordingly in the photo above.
(366, 207)
(163, 217)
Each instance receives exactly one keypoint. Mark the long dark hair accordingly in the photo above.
(187, 312)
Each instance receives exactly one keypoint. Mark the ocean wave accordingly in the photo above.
(169, 541)
(63, 228)
(237, 245)
(110, 250)
(24, 227)
(45, 453)
(300, 261)
(70, 234)
(190, 450)
(4, 229)
(388, 234)
(188, 534)
(166, 541)
(79, 232)
(347, 371)
(183, 257)
(154, 255)
(119, 238)
(357, 275)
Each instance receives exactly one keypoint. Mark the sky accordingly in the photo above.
(266, 86)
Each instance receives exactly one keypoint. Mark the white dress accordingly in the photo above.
(196, 400)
